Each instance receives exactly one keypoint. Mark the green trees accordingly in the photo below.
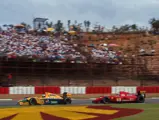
(125, 28)
(49, 24)
(8, 26)
(27, 26)
(154, 24)
(87, 25)
(59, 26)
(69, 23)
(134, 27)
(75, 27)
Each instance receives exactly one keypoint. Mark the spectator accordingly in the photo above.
(9, 78)
(51, 49)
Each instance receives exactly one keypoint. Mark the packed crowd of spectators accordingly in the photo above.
(50, 49)
(106, 55)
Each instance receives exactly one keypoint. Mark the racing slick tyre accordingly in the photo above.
(67, 101)
(32, 101)
(105, 100)
(140, 99)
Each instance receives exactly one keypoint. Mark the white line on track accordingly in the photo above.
(84, 99)
(5, 99)
(155, 98)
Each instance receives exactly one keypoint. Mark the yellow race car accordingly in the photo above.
(46, 99)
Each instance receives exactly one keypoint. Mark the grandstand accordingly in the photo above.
(51, 61)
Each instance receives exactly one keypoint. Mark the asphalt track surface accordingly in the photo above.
(74, 102)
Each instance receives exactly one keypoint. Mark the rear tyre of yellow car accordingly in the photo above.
(67, 101)
(32, 101)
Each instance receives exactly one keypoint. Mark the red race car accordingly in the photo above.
(122, 97)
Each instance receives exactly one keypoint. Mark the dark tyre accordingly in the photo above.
(106, 100)
(67, 101)
(140, 99)
(33, 101)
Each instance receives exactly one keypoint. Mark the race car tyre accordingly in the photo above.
(105, 100)
(32, 101)
(67, 101)
(140, 99)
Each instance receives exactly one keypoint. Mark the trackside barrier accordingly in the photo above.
(4, 90)
(117, 89)
(98, 90)
(73, 90)
(43, 89)
(77, 90)
(149, 89)
(21, 90)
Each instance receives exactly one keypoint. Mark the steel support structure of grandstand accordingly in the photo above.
(42, 68)
(131, 67)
